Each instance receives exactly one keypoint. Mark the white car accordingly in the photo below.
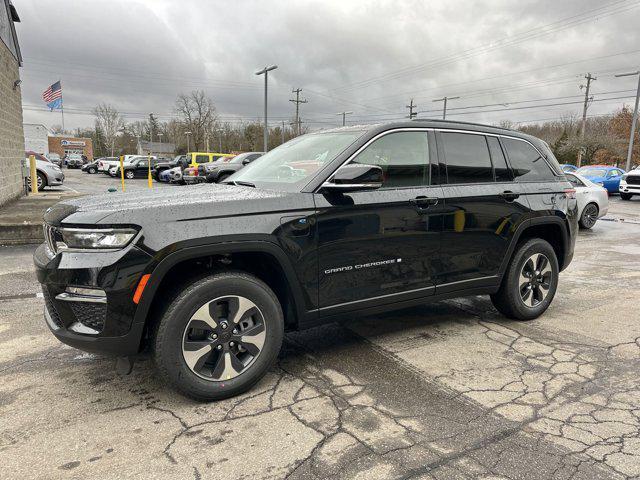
(593, 199)
(630, 184)
(49, 174)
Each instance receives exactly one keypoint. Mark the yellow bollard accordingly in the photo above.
(122, 171)
(149, 176)
(33, 173)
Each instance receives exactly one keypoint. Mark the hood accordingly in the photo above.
(168, 204)
(595, 179)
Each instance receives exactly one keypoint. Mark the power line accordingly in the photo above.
(537, 32)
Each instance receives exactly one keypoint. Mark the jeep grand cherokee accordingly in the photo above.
(355, 220)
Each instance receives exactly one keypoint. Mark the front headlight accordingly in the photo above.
(111, 238)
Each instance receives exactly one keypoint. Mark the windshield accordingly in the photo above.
(592, 172)
(292, 164)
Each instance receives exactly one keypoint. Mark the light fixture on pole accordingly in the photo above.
(265, 71)
(344, 117)
(635, 118)
(444, 109)
(188, 134)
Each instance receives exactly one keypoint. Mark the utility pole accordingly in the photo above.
(265, 71)
(297, 101)
(344, 117)
(188, 134)
(282, 131)
(584, 115)
(411, 106)
(634, 121)
(444, 108)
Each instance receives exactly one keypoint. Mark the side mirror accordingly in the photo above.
(355, 177)
(246, 161)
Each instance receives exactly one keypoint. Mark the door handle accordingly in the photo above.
(509, 196)
(424, 202)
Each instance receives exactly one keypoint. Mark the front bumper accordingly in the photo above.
(106, 326)
(626, 188)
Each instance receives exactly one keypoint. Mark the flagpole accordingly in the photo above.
(61, 105)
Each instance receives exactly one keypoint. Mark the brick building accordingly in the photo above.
(11, 133)
(64, 145)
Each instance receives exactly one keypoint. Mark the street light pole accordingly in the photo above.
(444, 109)
(188, 142)
(344, 117)
(265, 71)
(635, 118)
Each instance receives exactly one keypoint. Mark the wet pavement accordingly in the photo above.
(444, 391)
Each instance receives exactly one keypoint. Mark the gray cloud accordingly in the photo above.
(366, 56)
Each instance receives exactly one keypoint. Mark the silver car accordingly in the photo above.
(593, 199)
(49, 174)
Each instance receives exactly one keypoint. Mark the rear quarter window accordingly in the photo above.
(527, 164)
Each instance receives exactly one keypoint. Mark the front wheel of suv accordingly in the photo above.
(219, 336)
(530, 282)
(626, 196)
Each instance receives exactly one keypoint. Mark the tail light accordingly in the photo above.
(570, 193)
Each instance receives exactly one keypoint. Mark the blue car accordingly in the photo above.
(608, 177)
(568, 168)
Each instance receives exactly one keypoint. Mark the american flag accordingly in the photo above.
(53, 96)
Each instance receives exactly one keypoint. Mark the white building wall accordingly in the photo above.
(36, 138)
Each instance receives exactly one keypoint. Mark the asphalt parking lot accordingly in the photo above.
(445, 391)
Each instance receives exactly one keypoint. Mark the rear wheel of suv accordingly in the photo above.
(92, 170)
(626, 196)
(219, 336)
(589, 216)
(530, 281)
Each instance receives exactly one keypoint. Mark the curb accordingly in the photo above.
(21, 234)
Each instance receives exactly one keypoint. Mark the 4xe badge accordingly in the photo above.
(360, 266)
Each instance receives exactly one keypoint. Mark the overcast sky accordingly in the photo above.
(370, 57)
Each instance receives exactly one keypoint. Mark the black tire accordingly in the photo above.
(129, 174)
(172, 331)
(509, 299)
(589, 215)
(626, 196)
(92, 170)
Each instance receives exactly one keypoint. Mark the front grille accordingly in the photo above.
(51, 308)
(89, 314)
(633, 180)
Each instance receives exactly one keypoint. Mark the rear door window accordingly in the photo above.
(527, 163)
(502, 172)
(202, 158)
(467, 158)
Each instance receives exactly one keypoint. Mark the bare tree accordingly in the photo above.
(198, 115)
(109, 122)
(56, 129)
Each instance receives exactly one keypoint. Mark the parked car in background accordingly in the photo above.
(74, 160)
(219, 171)
(568, 168)
(630, 184)
(49, 174)
(104, 164)
(608, 177)
(136, 168)
(196, 158)
(593, 199)
(91, 167)
(179, 161)
(54, 158)
(172, 175)
(38, 156)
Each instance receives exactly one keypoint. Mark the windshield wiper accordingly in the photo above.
(244, 184)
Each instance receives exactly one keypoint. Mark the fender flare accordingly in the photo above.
(259, 246)
(531, 223)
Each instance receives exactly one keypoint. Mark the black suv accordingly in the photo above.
(355, 220)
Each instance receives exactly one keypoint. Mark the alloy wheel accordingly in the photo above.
(590, 215)
(223, 338)
(535, 280)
